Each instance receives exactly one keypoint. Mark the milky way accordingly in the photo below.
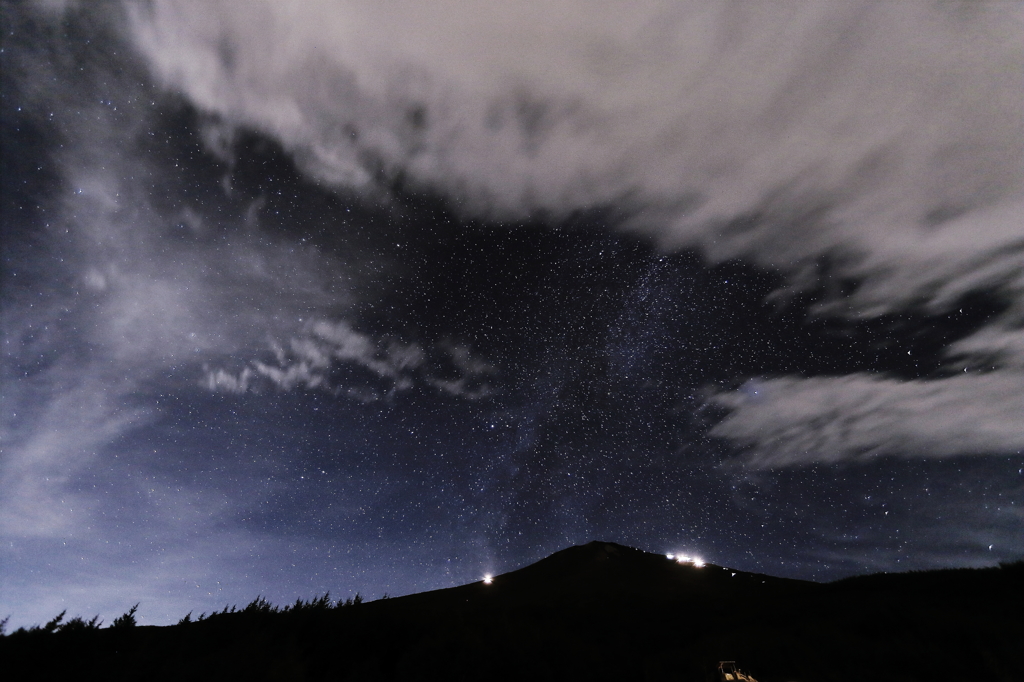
(317, 296)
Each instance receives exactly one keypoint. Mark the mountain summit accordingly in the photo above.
(608, 571)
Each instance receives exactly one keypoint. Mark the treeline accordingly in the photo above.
(942, 626)
(258, 606)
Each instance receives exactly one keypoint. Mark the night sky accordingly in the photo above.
(383, 297)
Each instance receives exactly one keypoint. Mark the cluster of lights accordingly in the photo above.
(694, 561)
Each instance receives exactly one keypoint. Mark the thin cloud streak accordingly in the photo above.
(790, 422)
(316, 360)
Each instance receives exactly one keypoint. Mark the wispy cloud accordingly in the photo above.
(57, 436)
(828, 419)
(133, 291)
(317, 360)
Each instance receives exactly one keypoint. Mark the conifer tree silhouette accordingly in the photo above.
(54, 624)
(125, 620)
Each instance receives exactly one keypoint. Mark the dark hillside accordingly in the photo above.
(595, 612)
(602, 572)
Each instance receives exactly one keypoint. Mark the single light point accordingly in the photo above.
(488, 579)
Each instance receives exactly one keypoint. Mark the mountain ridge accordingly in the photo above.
(609, 569)
(599, 611)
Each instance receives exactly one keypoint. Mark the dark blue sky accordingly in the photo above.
(270, 329)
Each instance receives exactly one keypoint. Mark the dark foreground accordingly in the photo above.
(596, 612)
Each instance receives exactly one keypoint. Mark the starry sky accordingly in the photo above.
(383, 297)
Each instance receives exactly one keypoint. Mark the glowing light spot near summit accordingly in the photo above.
(694, 561)
(488, 579)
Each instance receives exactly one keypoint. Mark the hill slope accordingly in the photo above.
(600, 611)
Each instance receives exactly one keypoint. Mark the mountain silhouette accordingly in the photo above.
(584, 574)
(600, 611)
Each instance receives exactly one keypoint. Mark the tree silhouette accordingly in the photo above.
(125, 620)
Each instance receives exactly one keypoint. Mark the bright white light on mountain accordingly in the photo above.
(698, 562)
(670, 556)
(683, 559)
(488, 579)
